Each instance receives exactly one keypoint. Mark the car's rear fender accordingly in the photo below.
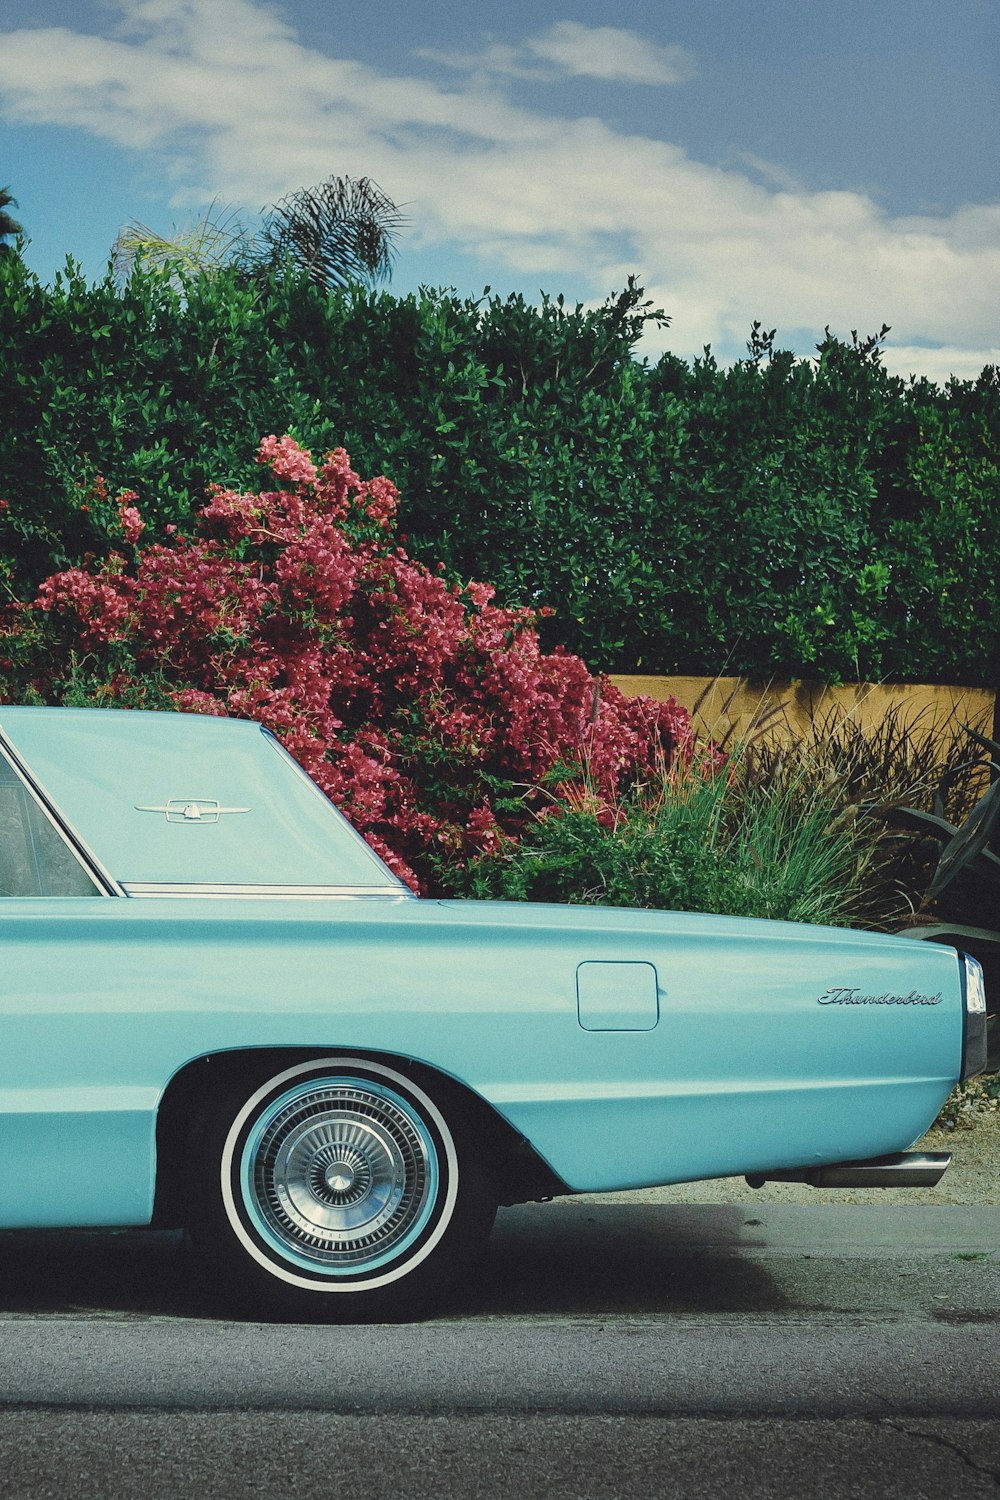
(515, 1169)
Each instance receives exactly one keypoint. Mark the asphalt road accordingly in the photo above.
(700, 1350)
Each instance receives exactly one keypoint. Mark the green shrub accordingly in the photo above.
(781, 517)
(707, 840)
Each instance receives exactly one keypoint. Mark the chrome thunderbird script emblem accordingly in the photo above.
(853, 996)
(192, 810)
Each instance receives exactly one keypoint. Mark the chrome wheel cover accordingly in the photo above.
(340, 1174)
(341, 1177)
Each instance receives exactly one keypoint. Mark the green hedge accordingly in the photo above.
(801, 518)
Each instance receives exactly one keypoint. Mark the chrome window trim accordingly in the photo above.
(105, 882)
(269, 892)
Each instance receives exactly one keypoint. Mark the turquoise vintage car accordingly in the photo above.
(221, 1011)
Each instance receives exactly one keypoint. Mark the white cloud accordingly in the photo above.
(938, 364)
(611, 53)
(570, 49)
(222, 95)
(495, 58)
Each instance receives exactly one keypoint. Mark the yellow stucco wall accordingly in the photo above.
(740, 707)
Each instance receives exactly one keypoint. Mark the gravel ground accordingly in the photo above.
(973, 1177)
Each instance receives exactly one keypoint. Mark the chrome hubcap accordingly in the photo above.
(340, 1177)
(339, 1172)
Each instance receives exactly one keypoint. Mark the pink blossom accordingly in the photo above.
(409, 699)
(129, 519)
(287, 460)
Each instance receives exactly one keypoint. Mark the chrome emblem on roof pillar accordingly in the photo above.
(192, 810)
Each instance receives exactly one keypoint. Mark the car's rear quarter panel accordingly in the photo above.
(104, 1001)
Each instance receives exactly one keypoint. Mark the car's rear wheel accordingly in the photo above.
(337, 1189)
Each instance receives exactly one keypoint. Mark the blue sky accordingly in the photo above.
(804, 162)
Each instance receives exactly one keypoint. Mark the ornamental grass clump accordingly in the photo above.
(888, 775)
(424, 710)
(702, 837)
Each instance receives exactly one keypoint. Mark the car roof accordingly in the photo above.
(178, 799)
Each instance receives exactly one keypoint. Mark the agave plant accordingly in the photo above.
(965, 847)
(966, 880)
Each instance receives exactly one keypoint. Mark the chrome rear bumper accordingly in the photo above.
(902, 1169)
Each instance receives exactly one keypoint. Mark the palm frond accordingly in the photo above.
(200, 249)
(342, 231)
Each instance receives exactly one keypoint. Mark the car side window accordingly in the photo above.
(35, 859)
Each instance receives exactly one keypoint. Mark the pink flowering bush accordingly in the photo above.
(427, 713)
